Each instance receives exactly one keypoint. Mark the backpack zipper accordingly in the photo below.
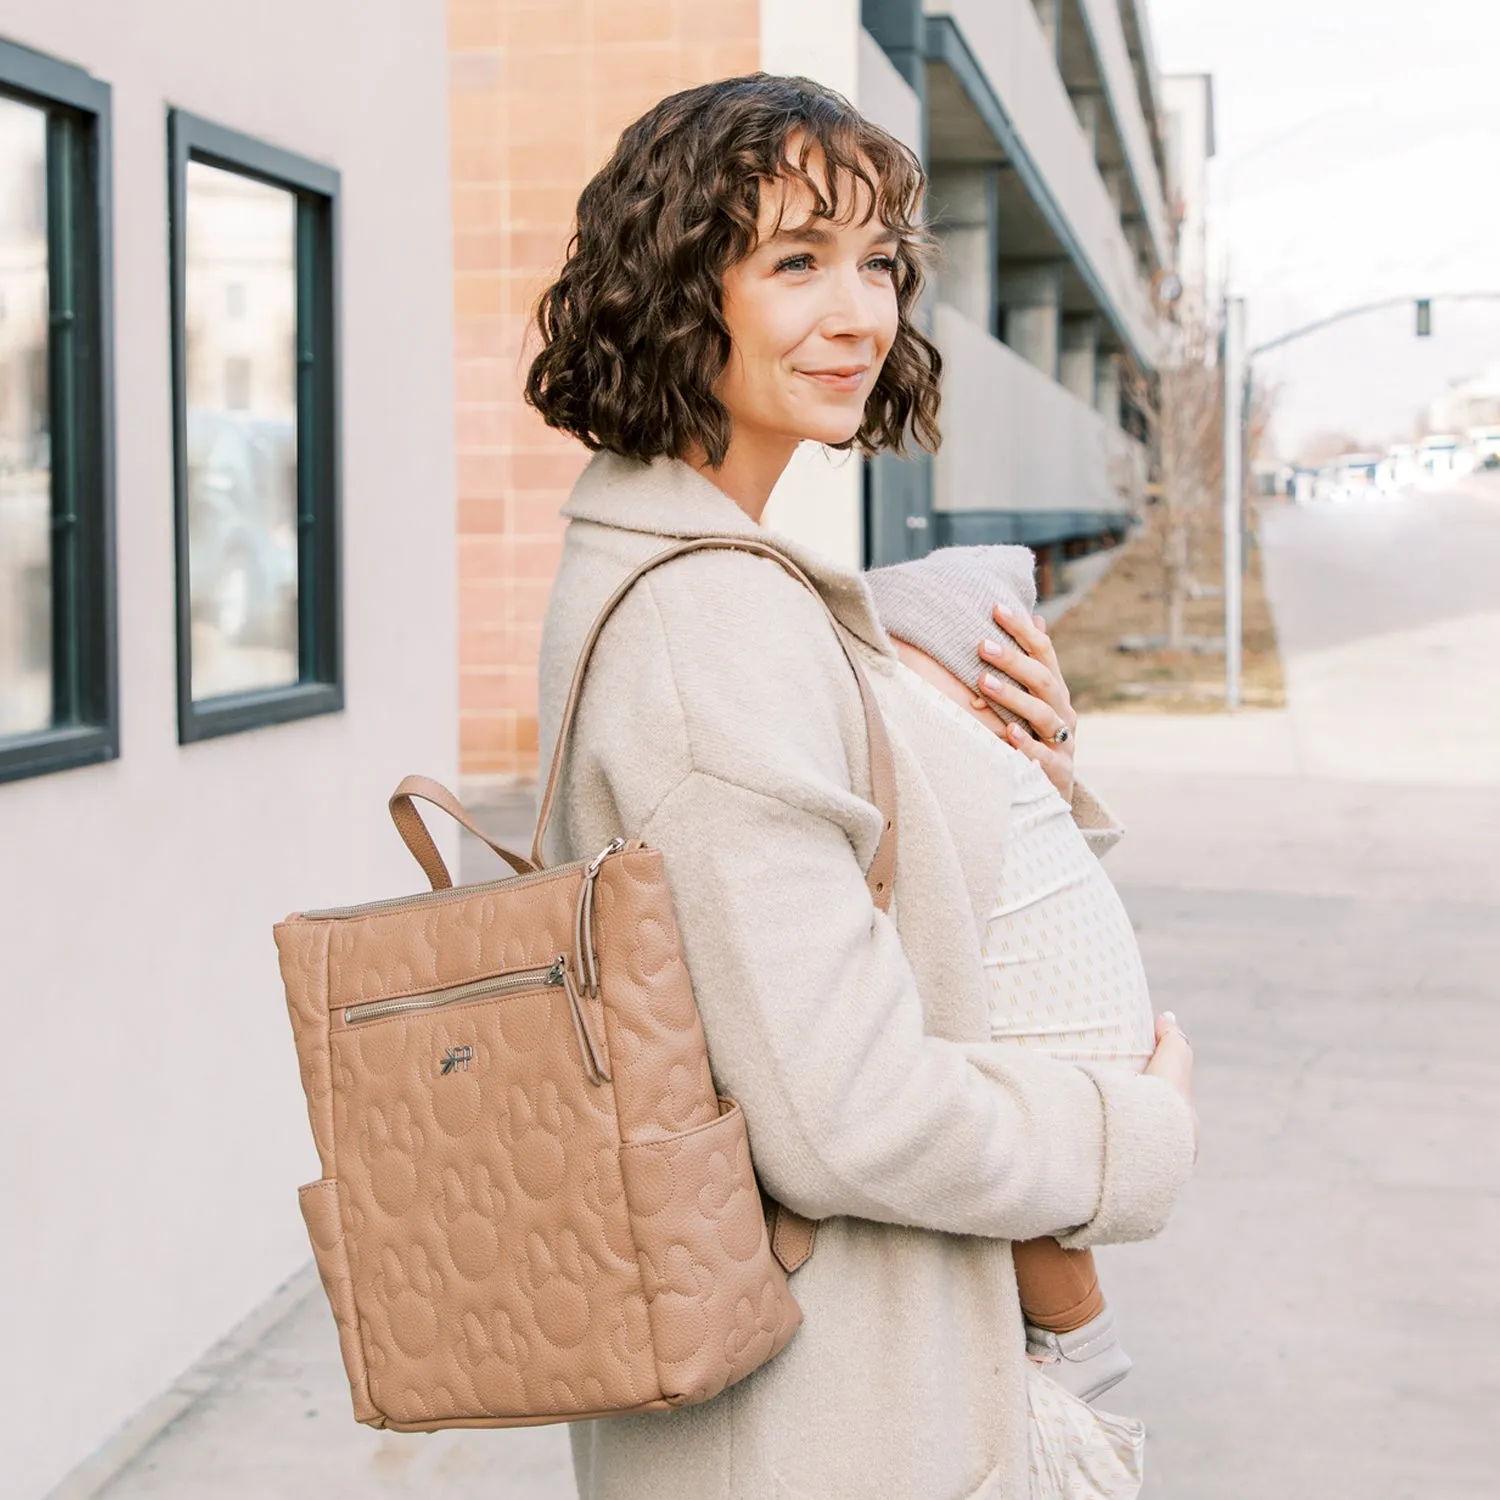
(554, 976)
(514, 983)
(583, 921)
(428, 898)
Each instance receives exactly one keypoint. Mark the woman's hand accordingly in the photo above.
(1038, 695)
(1173, 1061)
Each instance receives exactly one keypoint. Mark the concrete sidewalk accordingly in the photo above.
(1321, 1316)
(1317, 898)
(276, 1425)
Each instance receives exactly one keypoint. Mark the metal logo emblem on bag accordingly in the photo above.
(455, 1058)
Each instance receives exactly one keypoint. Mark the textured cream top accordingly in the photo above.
(1063, 964)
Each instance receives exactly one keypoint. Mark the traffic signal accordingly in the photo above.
(1424, 318)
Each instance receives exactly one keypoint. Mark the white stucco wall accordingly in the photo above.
(818, 502)
(816, 39)
(153, 1123)
(818, 499)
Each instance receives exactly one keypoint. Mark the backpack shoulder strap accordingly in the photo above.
(882, 871)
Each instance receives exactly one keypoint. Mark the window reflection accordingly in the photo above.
(25, 423)
(241, 315)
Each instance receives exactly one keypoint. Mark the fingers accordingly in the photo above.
(1039, 673)
(1173, 1063)
(1027, 670)
(1167, 1027)
(1037, 712)
(1057, 764)
(1030, 633)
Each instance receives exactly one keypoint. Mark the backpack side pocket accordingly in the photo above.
(325, 1228)
(718, 1301)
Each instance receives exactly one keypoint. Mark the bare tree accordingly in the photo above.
(1186, 427)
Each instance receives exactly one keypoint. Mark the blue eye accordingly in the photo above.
(795, 263)
(885, 264)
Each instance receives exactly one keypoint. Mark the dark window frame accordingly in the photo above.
(80, 377)
(316, 189)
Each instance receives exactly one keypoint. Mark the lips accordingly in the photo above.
(839, 377)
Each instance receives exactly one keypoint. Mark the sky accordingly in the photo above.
(1358, 158)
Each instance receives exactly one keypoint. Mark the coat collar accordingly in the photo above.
(668, 499)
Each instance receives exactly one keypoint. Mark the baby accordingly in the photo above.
(1063, 965)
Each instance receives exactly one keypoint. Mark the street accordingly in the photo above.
(1317, 898)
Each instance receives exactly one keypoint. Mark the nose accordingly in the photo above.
(853, 311)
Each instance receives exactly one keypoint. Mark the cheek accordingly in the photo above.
(782, 327)
(767, 334)
(888, 326)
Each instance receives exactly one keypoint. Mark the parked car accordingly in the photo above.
(1400, 470)
(1484, 444)
(1354, 476)
(1443, 456)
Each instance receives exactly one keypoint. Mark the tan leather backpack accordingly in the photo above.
(534, 1206)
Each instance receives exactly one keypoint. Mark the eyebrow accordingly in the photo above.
(810, 234)
(802, 234)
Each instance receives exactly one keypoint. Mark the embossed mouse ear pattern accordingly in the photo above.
(534, 1208)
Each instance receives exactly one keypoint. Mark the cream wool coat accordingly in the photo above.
(721, 724)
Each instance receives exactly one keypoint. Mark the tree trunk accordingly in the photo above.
(1177, 580)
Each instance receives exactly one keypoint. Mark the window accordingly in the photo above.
(237, 383)
(57, 647)
(255, 411)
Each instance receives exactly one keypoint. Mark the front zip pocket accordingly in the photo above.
(516, 982)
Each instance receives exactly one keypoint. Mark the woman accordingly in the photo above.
(742, 280)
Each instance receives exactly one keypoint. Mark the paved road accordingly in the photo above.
(1317, 897)
(1392, 616)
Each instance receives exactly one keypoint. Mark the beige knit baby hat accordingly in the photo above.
(943, 604)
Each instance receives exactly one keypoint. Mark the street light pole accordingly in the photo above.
(1237, 395)
(1234, 497)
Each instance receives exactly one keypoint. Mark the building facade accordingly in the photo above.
(1467, 405)
(227, 549)
(1188, 106)
(1041, 125)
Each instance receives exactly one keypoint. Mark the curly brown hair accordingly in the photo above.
(632, 331)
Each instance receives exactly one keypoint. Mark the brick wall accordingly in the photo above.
(539, 91)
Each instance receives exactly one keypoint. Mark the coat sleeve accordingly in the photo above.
(1100, 828)
(814, 1024)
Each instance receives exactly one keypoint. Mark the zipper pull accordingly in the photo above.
(587, 1046)
(583, 921)
(613, 847)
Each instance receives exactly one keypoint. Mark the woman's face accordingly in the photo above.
(812, 315)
